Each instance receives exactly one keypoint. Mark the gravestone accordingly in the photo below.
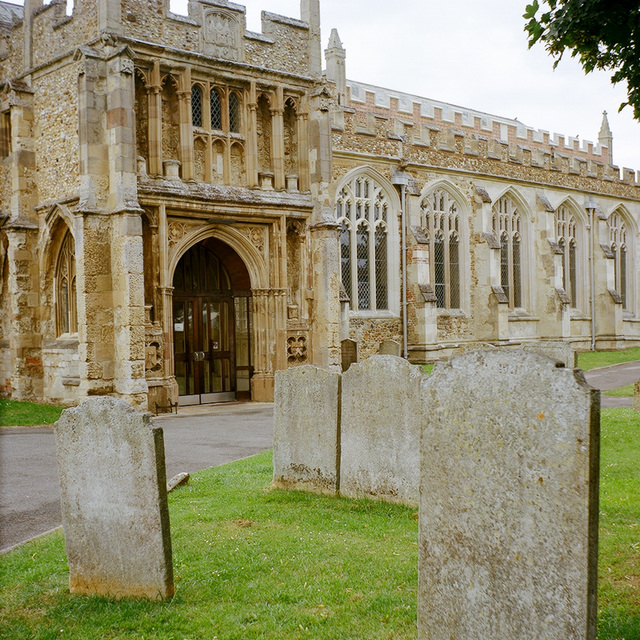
(636, 395)
(509, 500)
(556, 350)
(349, 353)
(380, 430)
(390, 348)
(114, 501)
(306, 429)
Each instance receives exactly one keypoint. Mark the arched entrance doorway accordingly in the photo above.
(212, 325)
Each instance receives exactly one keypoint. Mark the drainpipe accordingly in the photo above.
(401, 179)
(591, 207)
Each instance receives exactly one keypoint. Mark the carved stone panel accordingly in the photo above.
(297, 352)
(222, 35)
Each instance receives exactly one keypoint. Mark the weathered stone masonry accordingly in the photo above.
(187, 207)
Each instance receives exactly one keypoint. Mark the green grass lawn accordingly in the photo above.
(252, 563)
(621, 392)
(592, 359)
(27, 414)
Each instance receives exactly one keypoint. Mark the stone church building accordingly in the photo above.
(187, 207)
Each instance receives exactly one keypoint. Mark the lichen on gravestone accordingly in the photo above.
(115, 514)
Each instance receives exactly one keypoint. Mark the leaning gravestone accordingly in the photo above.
(114, 501)
(509, 500)
(380, 427)
(306, 429)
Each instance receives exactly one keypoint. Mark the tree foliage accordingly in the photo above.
(601, 34)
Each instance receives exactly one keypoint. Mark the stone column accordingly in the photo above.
(186, 129)
(154, 89)
(324, 229)
(262, 379)
(109, 16)
(23, 278)
(303, 151)
(25, 339)
(126, 249)
(94, 161)
(252, 139)
(310, 13)
(277, 140)
(325, 319)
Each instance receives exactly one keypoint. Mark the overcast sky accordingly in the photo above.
(472, 54)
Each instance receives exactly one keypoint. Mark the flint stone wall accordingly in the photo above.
(306, 437)
(114, 501)
(509, 500)
(380, 430)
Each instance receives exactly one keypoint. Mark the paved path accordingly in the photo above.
(613, 377)
(197, 438)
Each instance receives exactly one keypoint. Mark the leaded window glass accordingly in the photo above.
(506, 227)
(216, 109)
(234, 112)
(441, 223)
(196, 106)
(362, 210)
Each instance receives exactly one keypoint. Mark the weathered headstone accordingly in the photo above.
(349, 353)
(380, 428)
(509, 500)
(556, 350)
(473, 346)
(390, 348)
(306, 429)
(114, 501)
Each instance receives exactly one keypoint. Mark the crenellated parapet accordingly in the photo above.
(386, 123)
(215, 29)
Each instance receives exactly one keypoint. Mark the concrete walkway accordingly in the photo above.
(196, 438)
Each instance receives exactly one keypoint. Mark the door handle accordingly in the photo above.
(198, 356)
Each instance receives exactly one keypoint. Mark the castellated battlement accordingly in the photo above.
(37, 34)
(433, 125)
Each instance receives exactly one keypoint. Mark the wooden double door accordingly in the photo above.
(211, 328)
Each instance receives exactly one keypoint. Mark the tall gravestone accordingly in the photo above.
(306, 437)
(380, 427)
(509, 500)
(114, 501)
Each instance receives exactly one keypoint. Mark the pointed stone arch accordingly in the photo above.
(444, 219)
(511, 224)
(367, 206)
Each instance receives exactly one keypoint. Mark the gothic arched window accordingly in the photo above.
(619, 248)
(65, 287)
(565, 224)
(362, 210)
(441, 224)
(506, 227)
